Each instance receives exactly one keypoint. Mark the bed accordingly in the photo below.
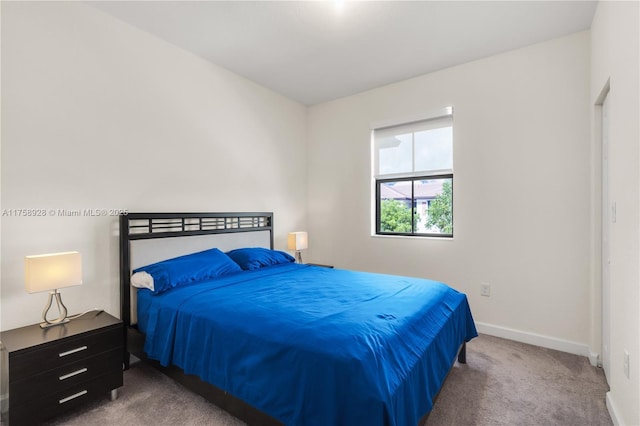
(277, 342)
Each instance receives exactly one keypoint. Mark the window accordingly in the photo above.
(413, 177)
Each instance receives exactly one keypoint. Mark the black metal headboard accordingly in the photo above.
(144, 226)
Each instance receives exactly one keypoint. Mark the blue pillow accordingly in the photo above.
(257, 257)
(200, 266)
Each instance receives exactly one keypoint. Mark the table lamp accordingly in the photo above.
(52, 272)
(297, 241)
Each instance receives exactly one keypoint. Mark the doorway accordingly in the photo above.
(608, 216)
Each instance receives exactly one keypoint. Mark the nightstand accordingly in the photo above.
(46, 372)
(320, 265)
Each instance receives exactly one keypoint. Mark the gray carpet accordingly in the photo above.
(503, 383)
(510, 383)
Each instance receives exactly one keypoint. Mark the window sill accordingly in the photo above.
(413, 237)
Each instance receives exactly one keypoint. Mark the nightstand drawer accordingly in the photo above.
(52, 356)
(65, 377)
(38, 410)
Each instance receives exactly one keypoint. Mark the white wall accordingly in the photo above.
(615, 57)
(98, 114)
(521, 188)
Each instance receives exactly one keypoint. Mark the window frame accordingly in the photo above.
(378, 180)
(413, 233)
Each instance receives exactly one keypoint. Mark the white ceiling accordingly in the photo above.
(322, 50)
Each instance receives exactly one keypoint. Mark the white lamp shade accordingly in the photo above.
(297, 241)
(52, 271)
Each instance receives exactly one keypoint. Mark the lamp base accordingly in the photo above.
(52, 324)
(62, 319)
(298, 256)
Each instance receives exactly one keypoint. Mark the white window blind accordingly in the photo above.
(418, 148)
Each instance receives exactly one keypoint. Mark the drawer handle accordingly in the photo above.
(74, 396)
(73, 351)
(75, 373)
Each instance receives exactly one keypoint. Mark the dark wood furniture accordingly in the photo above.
(46, 372)
(150, 226)
(320, 265)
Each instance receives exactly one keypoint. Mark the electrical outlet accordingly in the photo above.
(485, 289)
(614, 212)
(626, 363)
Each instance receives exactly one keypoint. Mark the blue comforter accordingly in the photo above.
(313, 346)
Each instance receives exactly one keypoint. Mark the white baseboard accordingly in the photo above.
(539, 340)
(613, 411)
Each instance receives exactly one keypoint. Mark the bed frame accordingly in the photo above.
(149, 226)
